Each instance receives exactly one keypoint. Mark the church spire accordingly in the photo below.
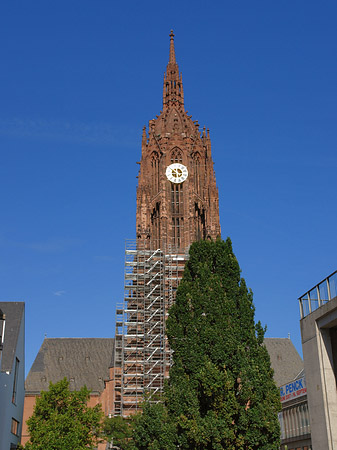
(173, 85)
(172, 51)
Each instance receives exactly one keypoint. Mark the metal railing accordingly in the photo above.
(319, 295)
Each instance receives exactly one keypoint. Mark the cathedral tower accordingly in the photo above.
(177, 204)
(177, 197)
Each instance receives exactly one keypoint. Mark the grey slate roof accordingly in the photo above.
(83, 361)
(14, 315)
(284, 358)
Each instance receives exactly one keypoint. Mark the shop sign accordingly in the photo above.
(292, 390)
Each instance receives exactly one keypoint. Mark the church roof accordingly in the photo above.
(86, 361)
(13, 318)
(83, 361)
(284, 358)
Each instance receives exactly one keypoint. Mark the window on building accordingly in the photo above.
(15, 382)
(15, 427)
(197, 174)
(200, 222)
(333, 339)
(155, 163)
(13, 447)
(155, 223)
(176, 156)
(177, 225)
(176, 198)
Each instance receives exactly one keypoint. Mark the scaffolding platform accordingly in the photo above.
(142, 356)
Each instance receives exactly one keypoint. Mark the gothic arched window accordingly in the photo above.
(200, 222)
(155, 172)
(155, 223)
(176, 156)
(197, 175)
(177, 198)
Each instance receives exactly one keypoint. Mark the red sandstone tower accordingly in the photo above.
(177, 197)
(177, 204)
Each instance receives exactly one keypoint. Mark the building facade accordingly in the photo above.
(318, 308)
(290, 378)
(12, 375)
(294, 417)
(177, 204)
(177, 196)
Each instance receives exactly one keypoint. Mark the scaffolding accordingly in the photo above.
(142, 356)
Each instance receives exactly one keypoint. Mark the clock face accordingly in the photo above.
(177, 173)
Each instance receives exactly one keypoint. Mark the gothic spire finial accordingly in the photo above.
(172, 52)
(173, 84)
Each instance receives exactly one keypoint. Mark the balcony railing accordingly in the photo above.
(320, 294)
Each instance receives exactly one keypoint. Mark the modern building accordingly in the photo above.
(290, 378)
(318, 308)
(12, 376)
(177, 204)
(294, 417)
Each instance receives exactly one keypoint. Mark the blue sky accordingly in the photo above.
(79, 80)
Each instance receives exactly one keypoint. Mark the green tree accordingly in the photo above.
(221, 394)
(119, 431)
(153, 429)
(149, 430)
(62, 420)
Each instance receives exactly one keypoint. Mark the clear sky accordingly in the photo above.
(78, 81)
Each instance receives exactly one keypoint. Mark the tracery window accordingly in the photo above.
(155, 223)
(155, 164)
(177, 210)
(197, 175)
(177, 228)
(176, 156)
(200, 222)
(176, 198)
(177, 206)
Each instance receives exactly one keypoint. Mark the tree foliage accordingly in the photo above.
(153, 429)
(150, 430)
(62, 420)
(119, 431)
(221, 393)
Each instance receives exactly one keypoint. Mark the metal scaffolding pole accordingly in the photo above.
(142, 356)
